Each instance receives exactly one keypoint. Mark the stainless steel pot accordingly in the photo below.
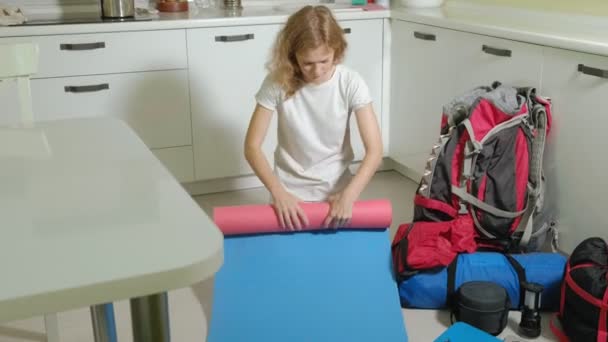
(117, 8)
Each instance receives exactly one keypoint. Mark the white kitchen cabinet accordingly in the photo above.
(431, 66)
(178, 160)
(227, 67)
(364, 55)
(424, 61)
(489, 59)
(104, 53)
(575, 163)
(10, 112)
(223, 94)
(140, 77)
(155, 104)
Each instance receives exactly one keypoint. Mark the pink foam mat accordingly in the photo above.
(256, 219)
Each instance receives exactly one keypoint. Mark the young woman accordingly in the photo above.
(313, 96)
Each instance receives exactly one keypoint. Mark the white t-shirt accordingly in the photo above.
(314, 149)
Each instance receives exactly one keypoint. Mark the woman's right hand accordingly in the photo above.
(290, 213)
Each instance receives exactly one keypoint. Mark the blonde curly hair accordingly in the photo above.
(308, 28)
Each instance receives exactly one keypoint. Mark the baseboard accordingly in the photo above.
(252, 181)
(406, 171)
(222, 185)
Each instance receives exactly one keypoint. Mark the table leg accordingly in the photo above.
(150, 318)
(51, 324)
(104, 325)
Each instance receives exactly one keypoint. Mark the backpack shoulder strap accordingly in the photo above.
(538, 121)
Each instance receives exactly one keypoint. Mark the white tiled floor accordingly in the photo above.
(189, 307)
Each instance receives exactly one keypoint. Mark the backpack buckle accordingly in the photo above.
(463, 209)
(470, 158)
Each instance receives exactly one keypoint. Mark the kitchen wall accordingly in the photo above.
(586, 7)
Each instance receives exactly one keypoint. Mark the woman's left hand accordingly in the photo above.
(340, 210)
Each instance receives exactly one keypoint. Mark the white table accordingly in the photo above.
(88, 216)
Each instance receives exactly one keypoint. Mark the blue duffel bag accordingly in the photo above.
(430, 289)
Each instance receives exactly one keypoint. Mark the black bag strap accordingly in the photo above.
(451, 288)
(521, 275)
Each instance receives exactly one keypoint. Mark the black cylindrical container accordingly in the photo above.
(484, 305)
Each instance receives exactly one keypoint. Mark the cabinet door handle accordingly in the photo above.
(235, 38)
(83, 46)
(593, 71)
(495, 51)
(424, 36)
(87, 88)
(346, 30)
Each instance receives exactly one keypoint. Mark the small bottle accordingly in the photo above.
(384, 3)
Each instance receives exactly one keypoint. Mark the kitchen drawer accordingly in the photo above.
(178, 160)
(489, 59)
(155, 104)
(103, 53)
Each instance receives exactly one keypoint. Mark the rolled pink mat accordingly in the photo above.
(255, 219)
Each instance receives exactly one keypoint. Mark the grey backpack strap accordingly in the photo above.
(538, 118)
(472, 149)
(465, 196)
(527, 223)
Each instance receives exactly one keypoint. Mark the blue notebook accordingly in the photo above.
(328, 286)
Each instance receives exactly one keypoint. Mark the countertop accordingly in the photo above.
(566, 31)
(194, 18)
(573, 32)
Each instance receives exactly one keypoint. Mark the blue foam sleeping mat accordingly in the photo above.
(462, 332)
(323, 286)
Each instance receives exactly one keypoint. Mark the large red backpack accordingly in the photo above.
(483, 183)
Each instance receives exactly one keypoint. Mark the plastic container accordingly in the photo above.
(383, 3)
